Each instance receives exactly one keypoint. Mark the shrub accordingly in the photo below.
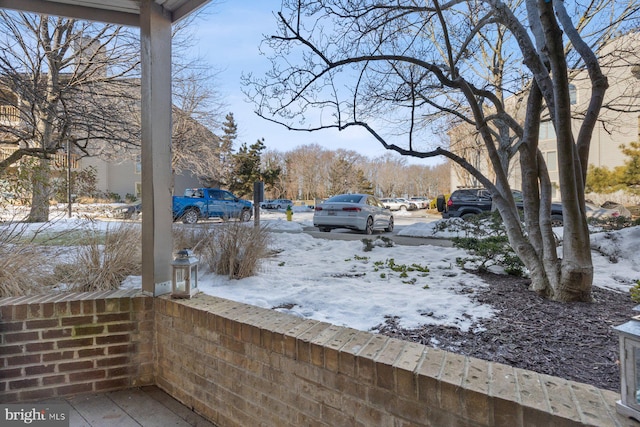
(635, 292)
(130, 198)
(487, 243)
(17, 275)
(111, 197)
(20, 262)
(104, 261)
(190, 237)
(23, 264)
(83, 184)
(613, 223)
(234, 249)
(489, 251)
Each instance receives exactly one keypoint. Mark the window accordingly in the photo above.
(573, 94)
(138, 165)
(551, 157)
(547, 130)
(225, 195)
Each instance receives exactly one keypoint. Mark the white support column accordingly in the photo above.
(157, 178)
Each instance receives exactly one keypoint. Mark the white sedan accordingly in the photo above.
(361, 212)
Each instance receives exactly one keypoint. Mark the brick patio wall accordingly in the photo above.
(240, 365)
(74, 343)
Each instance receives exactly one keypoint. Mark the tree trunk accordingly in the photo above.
(40, 192)
(576, 271)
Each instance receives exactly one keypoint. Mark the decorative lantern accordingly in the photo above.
(184, 279)
(629, 335)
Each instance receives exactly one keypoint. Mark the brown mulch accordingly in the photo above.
(574, 341)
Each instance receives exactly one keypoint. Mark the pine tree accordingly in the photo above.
(230, 133)
(626, 178)
(363, 184)
(247, 170)
(631, 175)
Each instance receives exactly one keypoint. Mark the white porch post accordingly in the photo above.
(157, 179)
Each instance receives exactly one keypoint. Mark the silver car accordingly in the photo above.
(399, 204)
(279, 204)
(361, 212)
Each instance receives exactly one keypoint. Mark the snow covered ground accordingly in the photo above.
(338, 282)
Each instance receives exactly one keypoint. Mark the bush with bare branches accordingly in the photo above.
(190, 237)
(100, 260)
(23, 248)
(234, 249)
(19, 262)
(104, 261)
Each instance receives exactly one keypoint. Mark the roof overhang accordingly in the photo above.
(120, 12)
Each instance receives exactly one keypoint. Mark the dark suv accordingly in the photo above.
(466, 202)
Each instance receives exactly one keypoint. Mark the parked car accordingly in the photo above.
(466, 202)
(398, 205)
(361, 212)
(263, 205)
(420, 201)
(200, 203)
(130, 211)
(607, 210)
(279, 204)
(410, 204)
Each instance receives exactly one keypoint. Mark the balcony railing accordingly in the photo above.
(58, 160)
(9, 114)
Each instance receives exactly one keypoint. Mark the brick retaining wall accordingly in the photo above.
(74, 343)
(240, 365)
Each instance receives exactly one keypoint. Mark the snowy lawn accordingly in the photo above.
(339, 282)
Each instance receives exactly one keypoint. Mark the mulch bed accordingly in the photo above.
(574, 341)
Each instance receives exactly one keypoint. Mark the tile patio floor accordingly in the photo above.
(145, 406)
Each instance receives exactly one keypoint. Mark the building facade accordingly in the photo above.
(618, 125)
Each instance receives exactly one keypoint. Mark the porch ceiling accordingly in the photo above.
(121, 12)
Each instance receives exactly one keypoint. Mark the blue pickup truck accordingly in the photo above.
(202, 203)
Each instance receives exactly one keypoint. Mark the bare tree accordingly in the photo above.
(387, 175)
(307, 171)
(338, 171)
(439, 179)
(343, 172)
(273, 159)
(76, 87)
(398, 69)
(196, 149)
(71, 82)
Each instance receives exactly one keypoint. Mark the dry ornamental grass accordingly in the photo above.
(93, 260)
(104, 261)
(21, 262)
(233, 249)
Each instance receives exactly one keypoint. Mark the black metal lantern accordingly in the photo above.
(184, 279)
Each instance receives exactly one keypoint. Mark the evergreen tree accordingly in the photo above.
(626, 178)
(362, 183)
(341, 175)
(599, 180)
(230, 133)
(631, 175)
(247, 170)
